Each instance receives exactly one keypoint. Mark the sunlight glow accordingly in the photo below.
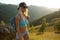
(46, 3)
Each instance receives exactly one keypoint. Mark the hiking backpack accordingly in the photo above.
(12, 21)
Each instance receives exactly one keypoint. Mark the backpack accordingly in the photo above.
(12, 21)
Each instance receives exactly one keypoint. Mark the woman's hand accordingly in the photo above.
(27, 17)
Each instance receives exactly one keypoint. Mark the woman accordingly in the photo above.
(21, 22)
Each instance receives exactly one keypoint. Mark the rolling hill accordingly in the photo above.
(35, 12)
(49, 18)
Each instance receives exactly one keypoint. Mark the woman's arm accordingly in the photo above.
(17, 20)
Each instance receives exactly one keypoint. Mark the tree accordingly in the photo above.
(32, 29)
(43, 25)
(57, 25)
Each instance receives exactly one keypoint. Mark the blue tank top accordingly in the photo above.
(23, 21)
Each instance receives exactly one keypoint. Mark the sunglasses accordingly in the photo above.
(25, 7)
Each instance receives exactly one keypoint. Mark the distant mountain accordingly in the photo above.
(35, 12)
(1, 3)
(49, 18)
(7, 11)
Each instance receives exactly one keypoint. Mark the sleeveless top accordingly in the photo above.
(23, 21)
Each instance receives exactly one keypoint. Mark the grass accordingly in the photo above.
(45, 36)
(34, 34)
(48, 34)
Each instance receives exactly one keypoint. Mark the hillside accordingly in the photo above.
(35, 12)
(49, 18)
(7, 11)
(36, 15)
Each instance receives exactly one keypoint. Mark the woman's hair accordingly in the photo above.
(26, 12)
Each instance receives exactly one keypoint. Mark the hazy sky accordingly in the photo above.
(46, 3)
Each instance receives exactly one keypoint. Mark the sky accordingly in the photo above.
(46, 3)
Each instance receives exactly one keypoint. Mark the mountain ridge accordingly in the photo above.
(35, 12)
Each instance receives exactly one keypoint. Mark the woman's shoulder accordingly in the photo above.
(18, 16)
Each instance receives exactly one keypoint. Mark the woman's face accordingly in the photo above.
(23, 9)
